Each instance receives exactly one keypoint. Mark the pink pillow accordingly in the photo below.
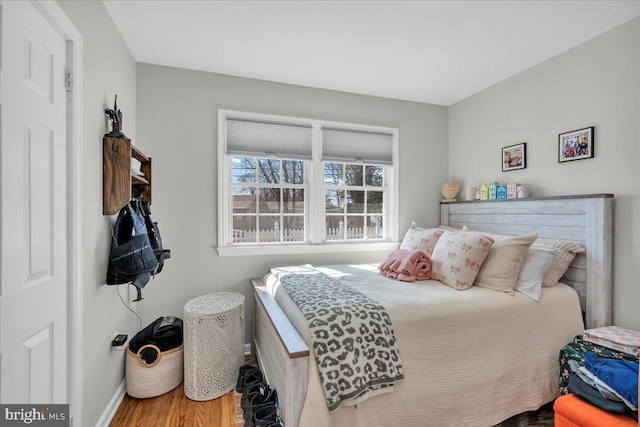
(458, 256)
(421, 239)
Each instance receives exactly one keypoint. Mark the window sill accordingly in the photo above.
(306, 248)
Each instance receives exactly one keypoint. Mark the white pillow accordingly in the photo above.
(536, 262)
(500, 269)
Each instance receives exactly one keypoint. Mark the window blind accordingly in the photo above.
(268, 139)
(339, 145)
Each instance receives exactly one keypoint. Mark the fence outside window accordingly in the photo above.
(297, 235)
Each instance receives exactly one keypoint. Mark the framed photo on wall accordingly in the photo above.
(575, 145)
(514, 157)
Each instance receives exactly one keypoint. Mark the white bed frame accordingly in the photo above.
(586, 219)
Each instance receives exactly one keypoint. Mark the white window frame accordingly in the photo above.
(314, 199)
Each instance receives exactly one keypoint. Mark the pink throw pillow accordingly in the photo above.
(421, 239)
(457, 258)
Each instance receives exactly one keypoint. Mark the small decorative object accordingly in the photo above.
(115, 116)
(135, 167)
(501, 192)
(477, 194)
(512, 191)
(484, 191)
(523, 192)
(514, 157)
(492, 190)
(450, 191)
(575, 145)
(470, 193)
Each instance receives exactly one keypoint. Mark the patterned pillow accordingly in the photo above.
(457, 258)
(421, 239)
(566, 252)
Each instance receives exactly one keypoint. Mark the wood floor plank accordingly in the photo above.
(211, 416)
(177, 407)
(125, 412)
(156, 413)
(228, 414)
(174, 409)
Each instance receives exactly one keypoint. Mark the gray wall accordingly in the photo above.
(594, 84)
(109, 69)
(173, 112)
(177, 126)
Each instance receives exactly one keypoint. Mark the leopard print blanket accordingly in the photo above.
(352, 338)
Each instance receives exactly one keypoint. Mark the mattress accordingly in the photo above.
(470, 358)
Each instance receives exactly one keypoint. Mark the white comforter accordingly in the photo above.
(470, 358)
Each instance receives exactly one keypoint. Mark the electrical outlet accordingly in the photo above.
(119, 341)
(115, 334)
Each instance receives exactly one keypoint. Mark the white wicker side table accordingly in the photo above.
(213, 344)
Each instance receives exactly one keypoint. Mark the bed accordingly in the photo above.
(467, 366)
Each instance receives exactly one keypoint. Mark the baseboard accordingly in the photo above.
(112, 406)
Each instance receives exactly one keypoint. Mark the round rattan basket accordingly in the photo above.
(157, 377)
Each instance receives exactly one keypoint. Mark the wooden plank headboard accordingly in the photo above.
(586, 219)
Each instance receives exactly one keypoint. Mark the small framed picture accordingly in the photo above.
(514, 157)
(575, 145)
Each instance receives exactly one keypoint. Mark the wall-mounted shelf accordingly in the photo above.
(578, 196)
(120, 184)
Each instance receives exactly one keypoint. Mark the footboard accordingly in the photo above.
(281, 353)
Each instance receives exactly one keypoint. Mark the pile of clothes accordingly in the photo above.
(609, 384)
(609, 379)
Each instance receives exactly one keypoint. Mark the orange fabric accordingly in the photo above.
(571, 411)
(562, 421)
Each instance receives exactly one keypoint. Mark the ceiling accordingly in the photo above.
(437, 52)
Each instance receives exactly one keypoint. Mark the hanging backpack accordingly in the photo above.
(154, 237)
(134, 258)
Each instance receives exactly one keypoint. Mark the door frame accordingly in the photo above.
(75, 170)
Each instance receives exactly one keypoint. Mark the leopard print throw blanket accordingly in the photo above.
(352, 338)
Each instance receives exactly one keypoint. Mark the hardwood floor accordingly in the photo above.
(174, 409)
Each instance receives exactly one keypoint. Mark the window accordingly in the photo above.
(268, 200)
(354, 201)
(291, 185)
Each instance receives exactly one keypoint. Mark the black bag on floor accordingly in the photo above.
(165, 333)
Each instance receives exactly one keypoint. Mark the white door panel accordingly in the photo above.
(33, 233)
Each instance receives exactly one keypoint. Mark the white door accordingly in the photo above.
(33, 198)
